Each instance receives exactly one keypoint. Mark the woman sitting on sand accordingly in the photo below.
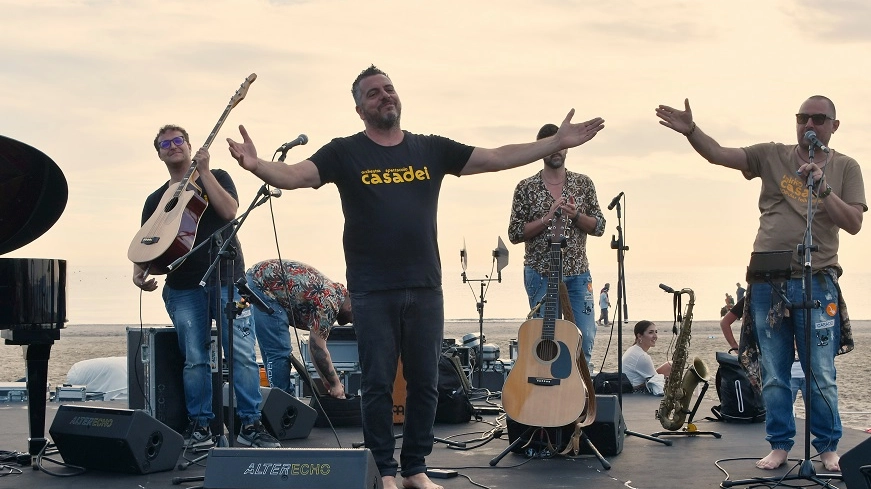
(637, 364)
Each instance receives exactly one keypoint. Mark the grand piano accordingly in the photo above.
(33, 195)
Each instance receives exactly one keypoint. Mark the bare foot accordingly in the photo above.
(831, 461)
(419, 481)
(773, 460)
(389, 482)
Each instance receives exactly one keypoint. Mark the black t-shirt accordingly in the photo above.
(390, 201)
(191, 271)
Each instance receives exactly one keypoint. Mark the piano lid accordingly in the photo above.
(33, 194)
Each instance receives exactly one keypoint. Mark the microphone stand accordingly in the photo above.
(806, 470)
(226, 254)
(480, 307)
(618, 244)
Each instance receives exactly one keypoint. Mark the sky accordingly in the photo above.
(88, 83)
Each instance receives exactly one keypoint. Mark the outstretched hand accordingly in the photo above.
(571, 135)
(678, 120)
(245, 152)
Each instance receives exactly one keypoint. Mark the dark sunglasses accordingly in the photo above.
(178, 140)
(819, 119)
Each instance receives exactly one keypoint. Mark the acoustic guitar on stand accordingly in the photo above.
(544, 387)
(171, 231)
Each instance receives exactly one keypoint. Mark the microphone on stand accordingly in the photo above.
(302, 139)
(615, 201)
(270, 192)
(811, 137)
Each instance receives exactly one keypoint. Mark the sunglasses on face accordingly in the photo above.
(178, 141)
(819, 119)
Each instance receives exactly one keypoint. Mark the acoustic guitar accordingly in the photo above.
(171, 231)
(545, 387)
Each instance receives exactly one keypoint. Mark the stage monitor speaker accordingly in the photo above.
(114, 440)
(856, 466)
(606, 433)
(300, 468)
(284, 416)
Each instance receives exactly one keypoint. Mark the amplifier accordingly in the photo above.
(301, 468)
(154, 376)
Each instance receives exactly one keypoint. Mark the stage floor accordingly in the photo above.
(691, 462)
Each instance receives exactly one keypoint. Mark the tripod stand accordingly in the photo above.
(500, 261)
(775, 267)
(618, 244)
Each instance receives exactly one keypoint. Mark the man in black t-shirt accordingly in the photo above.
(389, 181)
(192, 308)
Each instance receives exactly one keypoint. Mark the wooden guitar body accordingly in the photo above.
(168, 234)
(544, 387)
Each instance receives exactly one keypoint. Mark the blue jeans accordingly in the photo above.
(776, 358)
(388, 323)
(580, 288)
(273, 336)
(192, 312)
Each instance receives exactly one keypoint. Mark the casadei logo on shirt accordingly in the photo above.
(394, 175)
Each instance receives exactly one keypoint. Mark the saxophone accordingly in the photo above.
(680, 385)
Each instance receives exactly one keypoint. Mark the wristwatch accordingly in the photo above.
(825, 193)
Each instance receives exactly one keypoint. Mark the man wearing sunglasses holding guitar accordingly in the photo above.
(191, 307)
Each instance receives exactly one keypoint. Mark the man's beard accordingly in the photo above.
(554, 161)
(385, 122)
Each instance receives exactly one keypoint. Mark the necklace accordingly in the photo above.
(803, 160)
(554, 183)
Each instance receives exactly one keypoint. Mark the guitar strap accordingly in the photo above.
(588, 416)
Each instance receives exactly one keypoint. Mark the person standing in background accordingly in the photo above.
(604, 304)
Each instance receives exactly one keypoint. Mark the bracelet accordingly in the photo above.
(542, 221)
(691, 131)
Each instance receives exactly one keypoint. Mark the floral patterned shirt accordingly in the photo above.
(313, 299)
(532, 201)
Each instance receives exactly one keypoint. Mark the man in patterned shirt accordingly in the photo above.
(302, 297)
(536, 201)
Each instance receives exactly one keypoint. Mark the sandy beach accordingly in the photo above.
(80, 342)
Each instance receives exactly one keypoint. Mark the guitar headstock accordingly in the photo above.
(242, 91)
(557, 227)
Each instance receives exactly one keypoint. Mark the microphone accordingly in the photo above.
(614, 201)
(302, 139)
(253, 298)
(270, 192)
(666, 288)
(811, 137)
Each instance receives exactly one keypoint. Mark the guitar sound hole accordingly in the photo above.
(547, 350)
(171, 204)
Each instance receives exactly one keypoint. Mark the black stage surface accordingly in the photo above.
(689, 462)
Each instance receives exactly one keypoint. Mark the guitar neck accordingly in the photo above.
(551, 303)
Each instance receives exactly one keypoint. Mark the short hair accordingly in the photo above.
(547, 130)
(167, 128)
(372, 70)
(828, 101)
(641, 327)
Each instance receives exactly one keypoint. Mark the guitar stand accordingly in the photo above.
(527, 435)
(690, 428)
